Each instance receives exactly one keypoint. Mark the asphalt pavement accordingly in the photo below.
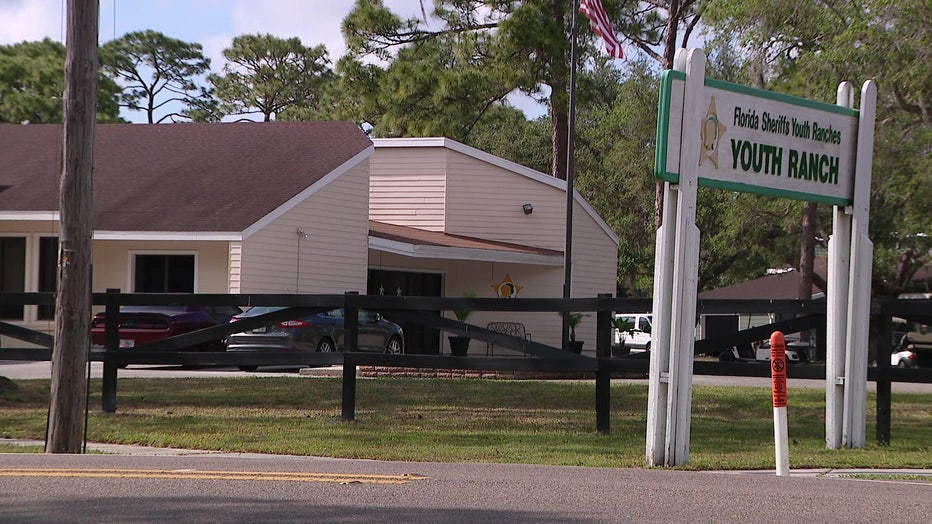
(130, 484)
(38, 370)
(144, 484)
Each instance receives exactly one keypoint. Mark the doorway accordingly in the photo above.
(418, 339)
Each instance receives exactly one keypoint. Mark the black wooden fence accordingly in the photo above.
(535, 356)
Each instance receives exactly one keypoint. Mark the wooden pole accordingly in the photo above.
(73, 303)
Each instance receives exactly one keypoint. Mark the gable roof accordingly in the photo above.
(502, 163)
(778, 286)
(420, 243)
(150, 180)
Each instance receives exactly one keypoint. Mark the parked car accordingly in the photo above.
(637, 336)
(797, 352)
(903, 358)
(144, 324)
(319, 332)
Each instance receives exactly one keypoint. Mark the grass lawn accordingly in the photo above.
(466, 420)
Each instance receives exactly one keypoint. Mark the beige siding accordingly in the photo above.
(113, 262)
(407, 187)
(236, 267)
(485, 201)
(332, 259)
(595, 265)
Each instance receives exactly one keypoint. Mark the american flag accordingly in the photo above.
(602, 25)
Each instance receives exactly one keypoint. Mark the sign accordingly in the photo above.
(778, 369)
(758, 141)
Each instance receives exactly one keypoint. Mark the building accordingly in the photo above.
(302, 207)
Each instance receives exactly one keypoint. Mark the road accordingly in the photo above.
(35, 370)
(262, 488)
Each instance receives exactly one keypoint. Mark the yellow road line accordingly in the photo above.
(280, 476)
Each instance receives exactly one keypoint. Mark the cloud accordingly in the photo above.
(30, 20)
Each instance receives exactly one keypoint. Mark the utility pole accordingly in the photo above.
(73, 302)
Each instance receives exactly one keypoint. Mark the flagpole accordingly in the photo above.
(570, 169)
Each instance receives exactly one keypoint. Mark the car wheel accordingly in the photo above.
(326, 346)
(394, 346)
(248, 368)
(726, 356)
(902, 364)
(647, 347)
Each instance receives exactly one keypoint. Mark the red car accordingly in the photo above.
(144, 324)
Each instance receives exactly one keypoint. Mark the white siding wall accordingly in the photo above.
(407, 187)
(236, 267)
(595, 266)
(333, 257)
(485, 201)
(112, 262)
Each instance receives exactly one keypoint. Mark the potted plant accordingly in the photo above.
(573, 319)
(459, 344)
(623, 325)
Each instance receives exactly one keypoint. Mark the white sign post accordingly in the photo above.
(718, 134)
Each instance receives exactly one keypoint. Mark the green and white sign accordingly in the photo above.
(758, 141)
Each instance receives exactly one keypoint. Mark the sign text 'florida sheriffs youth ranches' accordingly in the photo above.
(762, 142)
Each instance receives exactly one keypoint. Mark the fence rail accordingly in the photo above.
(538, 357)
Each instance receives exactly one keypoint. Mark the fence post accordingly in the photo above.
(109, 389)
(111, 344)
(603, 375)
(349, 388)
(884, 393)
(351, 322)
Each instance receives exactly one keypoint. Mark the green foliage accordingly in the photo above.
(32, 85)
(573, 319)
(806, 49)
(463, 314)
(615, 165)
(158, 74)
(270, 75)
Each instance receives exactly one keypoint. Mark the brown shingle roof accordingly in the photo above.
(179, 177)
(422, 237)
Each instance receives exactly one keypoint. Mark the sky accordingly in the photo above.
(211, 23)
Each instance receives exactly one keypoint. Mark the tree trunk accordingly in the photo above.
(73, 304)
(807, 256)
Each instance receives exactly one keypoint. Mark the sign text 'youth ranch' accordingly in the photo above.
(770, 159)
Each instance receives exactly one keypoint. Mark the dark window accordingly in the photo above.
(48, 273)
(164, 274)
(12, 274)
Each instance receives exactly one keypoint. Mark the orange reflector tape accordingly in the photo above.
(778, 368)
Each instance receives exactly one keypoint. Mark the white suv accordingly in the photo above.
(637, 333)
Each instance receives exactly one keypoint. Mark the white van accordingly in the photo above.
(637, 334)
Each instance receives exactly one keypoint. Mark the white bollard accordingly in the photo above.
(778, 377)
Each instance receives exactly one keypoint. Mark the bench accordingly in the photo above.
(512, 329)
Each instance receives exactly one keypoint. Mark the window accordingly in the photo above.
(48, 273)
(12, 274)
(164, 274)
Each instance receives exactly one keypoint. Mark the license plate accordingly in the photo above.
(126, 343)
(258, 330)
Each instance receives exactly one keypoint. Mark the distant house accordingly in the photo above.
(310, 207)
(781, 284)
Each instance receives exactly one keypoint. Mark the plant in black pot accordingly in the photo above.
(624, 328)
(459, 344)
(573, 319)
